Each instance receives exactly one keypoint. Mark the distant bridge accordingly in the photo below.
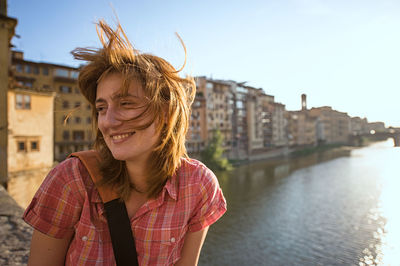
(357, 140)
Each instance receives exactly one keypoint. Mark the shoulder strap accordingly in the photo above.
(91, 160)
(117, 215)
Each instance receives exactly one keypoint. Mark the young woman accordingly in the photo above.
(141, 110)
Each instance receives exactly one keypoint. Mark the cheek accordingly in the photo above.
(100, 125)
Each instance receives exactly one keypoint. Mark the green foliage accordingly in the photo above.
(212, 155)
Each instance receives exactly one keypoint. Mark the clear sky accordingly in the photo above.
(341, 53)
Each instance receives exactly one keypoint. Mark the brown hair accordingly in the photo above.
(168, 105)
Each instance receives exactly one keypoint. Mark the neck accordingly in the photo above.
(137, 175)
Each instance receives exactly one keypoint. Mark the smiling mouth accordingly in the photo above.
(122, 136)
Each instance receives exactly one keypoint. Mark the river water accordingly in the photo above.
(339, 207)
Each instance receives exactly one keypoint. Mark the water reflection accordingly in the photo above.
(331, 208)
(387, 211)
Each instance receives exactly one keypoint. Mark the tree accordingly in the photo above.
(212, 155)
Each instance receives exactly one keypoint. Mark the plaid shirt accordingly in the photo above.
(68, 203)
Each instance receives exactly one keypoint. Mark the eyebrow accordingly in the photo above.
(116, 96)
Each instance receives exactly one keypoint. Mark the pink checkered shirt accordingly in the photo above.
(68, 202)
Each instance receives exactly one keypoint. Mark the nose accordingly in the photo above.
(111, 119)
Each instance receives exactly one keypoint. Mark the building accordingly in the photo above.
(248, 119)
(30, 140)
(266, 121)
(254, 119)
(72, 113)
(302, 127)
(358, 126)
(333, 127)
(197, 135)
(240, 140)
(279, 125)
(7, 30)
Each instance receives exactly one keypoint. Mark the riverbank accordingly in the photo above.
(15, 233)
(295, 152)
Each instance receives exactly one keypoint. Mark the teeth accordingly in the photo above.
(121, 136)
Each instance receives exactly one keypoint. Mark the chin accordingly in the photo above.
(119, 156)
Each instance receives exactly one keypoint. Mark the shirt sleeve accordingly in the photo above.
(56, 206)
(211, 204)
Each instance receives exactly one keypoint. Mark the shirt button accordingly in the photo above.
(84, 238)
(172, 239)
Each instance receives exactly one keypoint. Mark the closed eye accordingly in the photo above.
(100, 109)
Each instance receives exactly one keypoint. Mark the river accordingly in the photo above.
(338, 207)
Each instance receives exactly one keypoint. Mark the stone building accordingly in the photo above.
(266, 121)
(7, 27)
(254, 119)
(30, 140)
(279, 125)
(332, 126)
(302, 127)
(72, 114)
(249, 120)
(358, 126)
(197, 135)
(240, 139)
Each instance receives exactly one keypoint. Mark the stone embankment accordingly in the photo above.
(15, 234)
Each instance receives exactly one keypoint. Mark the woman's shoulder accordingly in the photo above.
(72, 173)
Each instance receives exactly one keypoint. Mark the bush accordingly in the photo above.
(212, 155)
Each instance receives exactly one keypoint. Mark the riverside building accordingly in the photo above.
(72, 114)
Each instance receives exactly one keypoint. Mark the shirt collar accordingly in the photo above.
(172, 186)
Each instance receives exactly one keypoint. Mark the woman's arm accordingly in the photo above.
(191, 248)
(46, 250)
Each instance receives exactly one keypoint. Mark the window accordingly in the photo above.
(19, 68)
(78, 135)
(88, 107)
(28, 69)
(77, 120)
(65, 135)
(77, 90)
(35, 145)
(28, 84)
(241, 90)
(88, 120)
(35, 70)
(21, 145)
(62, 73)
(77, 104)
(209, 85)
(65, 104)
(45, 71)
(74, 74)
(65, 89)
(22, 101)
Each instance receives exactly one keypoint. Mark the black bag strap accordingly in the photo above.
(121, 233)
(118, 220)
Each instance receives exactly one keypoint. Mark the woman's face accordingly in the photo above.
(124, 141)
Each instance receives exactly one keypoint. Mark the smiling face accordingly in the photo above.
(115, 114)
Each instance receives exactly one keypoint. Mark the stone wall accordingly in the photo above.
(15, 234)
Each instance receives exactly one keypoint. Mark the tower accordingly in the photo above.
(303, 102)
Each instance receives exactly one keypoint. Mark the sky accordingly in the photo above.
(341, 53)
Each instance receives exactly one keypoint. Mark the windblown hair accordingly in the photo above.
(168, 100)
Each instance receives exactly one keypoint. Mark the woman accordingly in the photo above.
(141, 110)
